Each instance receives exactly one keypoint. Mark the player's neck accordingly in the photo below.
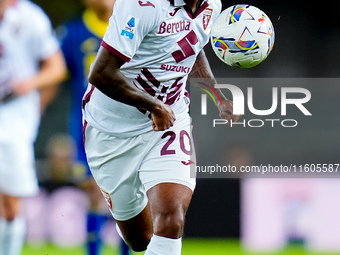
(193, 4)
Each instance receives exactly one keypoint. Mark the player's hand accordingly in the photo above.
(23, 87)
(226, 111)
(162, 117)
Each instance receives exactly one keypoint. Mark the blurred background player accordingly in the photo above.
(80, 40)
(30, 61)
(60, 169)
(59, 175)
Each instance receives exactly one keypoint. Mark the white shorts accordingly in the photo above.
(126, 168)
(17, 169)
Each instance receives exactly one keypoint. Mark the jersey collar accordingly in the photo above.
(178, 3)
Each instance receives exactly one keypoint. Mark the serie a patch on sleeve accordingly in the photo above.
(129, 28)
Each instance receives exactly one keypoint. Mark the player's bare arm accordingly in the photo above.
(106, 76)
(201, 69)
(51, 73)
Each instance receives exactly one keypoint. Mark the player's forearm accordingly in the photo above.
(115, 85)
(51, 73)
(201, 70)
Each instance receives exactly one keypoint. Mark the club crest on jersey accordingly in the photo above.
(207, 17)
(128, 30)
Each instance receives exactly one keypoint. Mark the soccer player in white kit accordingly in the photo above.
(137, 130)
(30, 60)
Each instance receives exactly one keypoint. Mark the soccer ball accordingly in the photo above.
(242, 36)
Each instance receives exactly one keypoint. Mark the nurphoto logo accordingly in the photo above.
(240, 102)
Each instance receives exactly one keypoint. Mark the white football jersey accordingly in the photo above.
(26, 38)
(159, 40)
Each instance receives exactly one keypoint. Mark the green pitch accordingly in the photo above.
(190, 247)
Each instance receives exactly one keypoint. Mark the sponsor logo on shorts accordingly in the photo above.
(186, 163)
(107, 198)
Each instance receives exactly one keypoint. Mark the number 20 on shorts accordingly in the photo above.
(183, 135)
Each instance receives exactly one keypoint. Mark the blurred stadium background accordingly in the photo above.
(306, 46)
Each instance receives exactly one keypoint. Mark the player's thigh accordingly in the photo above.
(17, 171)
(171, 158)
(114, 164)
